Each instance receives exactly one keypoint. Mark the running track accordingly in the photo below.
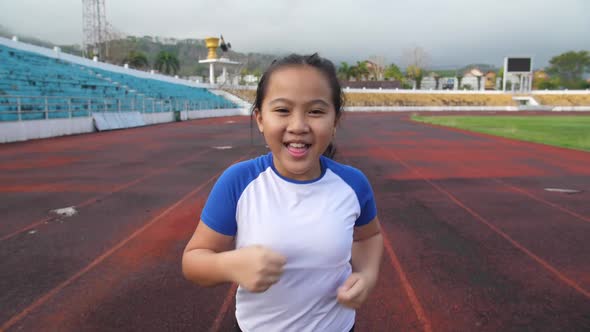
(473, 241)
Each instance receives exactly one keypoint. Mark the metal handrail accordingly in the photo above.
(28, 107)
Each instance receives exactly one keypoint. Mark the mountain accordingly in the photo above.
(7, 33)
(188, 51)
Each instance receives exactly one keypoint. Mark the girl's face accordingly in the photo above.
(298, 120)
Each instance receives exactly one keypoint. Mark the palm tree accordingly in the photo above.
(500, 74)
(436, 77)
(393, 72)
(362, 71)
(415, 73)
(167, 62)
(136, 59)
(345, 71)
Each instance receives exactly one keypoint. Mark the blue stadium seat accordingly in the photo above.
(41, 82)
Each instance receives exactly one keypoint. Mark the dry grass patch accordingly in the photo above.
(247, 95)
(406, 99)
(426, 99)
(564, 100)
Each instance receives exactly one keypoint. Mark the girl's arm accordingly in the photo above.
(367, 250)
(209, 259)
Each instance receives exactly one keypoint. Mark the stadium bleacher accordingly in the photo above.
(33, 86)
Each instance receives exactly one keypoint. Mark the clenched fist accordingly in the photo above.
(354, 291)
(258, 268)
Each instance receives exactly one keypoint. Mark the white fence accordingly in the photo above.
(17, 108)
(14, 131)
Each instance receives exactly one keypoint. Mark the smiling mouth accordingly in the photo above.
(297, 150)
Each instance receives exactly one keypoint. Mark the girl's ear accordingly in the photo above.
(336, 124)
(258, 116)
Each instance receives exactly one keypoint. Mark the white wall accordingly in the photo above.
(217, 113)
(429, 83)
(33, 129)
(15, 131)
(561, 92)
(443, 92)
(155, 118)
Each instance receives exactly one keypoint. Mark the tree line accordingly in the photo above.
(165, 62)
(565, 71)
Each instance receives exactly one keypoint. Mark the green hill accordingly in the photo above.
(188, 51)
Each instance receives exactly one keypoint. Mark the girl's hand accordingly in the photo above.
(258, 268)
(354, 291)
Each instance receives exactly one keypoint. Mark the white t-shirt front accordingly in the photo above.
(309, 222)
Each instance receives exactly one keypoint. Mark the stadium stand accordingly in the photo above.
(34, 87)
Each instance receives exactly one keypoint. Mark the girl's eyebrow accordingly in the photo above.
(280, 100)
(318, 101)
(287, 101)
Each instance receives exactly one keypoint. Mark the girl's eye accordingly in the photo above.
(282, 110)
(316, 112)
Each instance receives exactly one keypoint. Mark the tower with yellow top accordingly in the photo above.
(212, 43)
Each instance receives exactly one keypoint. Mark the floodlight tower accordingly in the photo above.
(95, 27)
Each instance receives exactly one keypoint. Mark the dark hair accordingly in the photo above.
(325, 66)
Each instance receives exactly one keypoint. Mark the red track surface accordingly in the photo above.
(473, 241)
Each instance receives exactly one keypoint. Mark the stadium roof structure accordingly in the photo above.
(220, 60)
(225, 62)
(212, 44)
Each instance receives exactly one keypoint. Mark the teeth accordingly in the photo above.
(297, 145)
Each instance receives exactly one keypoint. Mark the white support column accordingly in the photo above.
(531, 75)
(211, 74)
(224, 75)
(504, 75)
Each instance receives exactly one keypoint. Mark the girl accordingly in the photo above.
(307, 238)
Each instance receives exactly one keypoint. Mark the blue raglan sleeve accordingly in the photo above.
(364, 193)
(219, 212)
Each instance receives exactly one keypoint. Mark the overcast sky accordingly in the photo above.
(453, 32)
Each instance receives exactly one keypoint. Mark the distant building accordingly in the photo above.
(540, 75)
(490, 83)
(473, 72)
(375, 71)
(249, 79)
(473, 78)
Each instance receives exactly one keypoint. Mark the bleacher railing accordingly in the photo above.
(18, 108)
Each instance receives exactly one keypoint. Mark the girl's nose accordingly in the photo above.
(298, 124)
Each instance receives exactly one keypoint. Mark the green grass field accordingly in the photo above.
(565, 131)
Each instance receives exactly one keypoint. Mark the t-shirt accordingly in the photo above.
(309, 222)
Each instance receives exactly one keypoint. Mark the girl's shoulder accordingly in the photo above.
(359, 183)
(245, 171)
(346, 172)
